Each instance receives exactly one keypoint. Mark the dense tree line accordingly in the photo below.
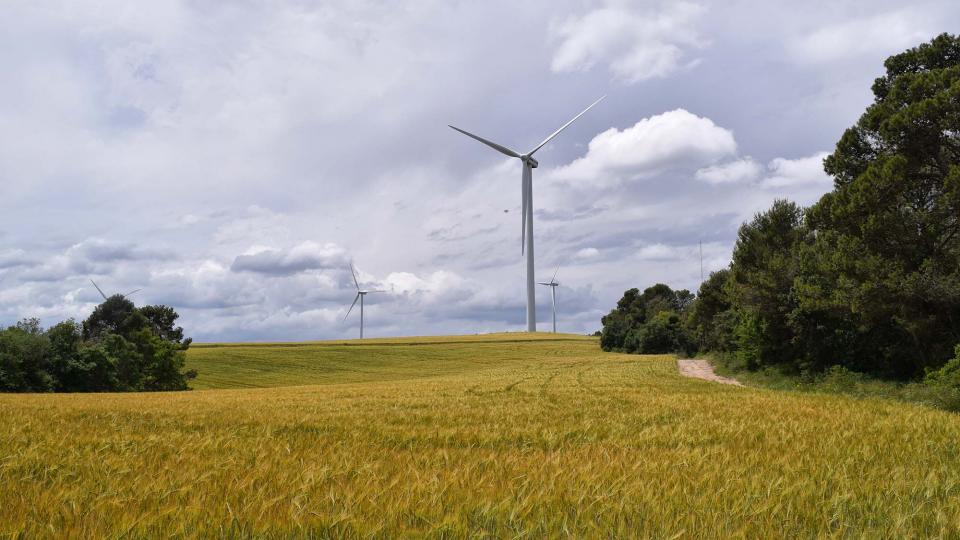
(868, 278)
(118, 348)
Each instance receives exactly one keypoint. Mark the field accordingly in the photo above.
(494, 436)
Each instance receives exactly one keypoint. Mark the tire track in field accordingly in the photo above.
(583, 384)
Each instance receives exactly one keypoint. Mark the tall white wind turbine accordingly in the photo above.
(360, 294)
(553, 284)
(526, 186)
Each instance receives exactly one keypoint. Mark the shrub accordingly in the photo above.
(944, 384)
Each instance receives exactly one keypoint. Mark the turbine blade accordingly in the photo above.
(491, 144)
(354, 273)
(98, 289)
(543, 283)
(351, 306)
(557, 132)
(554, 278)
(132, 292)
(379, 290)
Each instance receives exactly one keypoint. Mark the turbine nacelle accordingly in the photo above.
(529, 161)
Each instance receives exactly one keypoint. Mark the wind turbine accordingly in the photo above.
(526, 186)
(360, 294)
(553, 284)
(120, 295)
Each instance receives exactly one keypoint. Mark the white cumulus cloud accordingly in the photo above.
(795, 172)
(653, 144)
(884, 33)
(636, 42)
(739, 170)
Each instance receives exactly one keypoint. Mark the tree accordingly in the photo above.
(884, 270)
(624, 327)
(760, 283)
(116, 315)
(66, 339)
(162, 320)
(663, 333)
(24, 358)
(630, 312)
(118, 348)
(712, 318)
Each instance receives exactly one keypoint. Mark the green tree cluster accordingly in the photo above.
(868, 278)
(118, 348)
(653, 322)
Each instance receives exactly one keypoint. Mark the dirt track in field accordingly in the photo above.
(701, 369)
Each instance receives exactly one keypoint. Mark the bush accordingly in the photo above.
(944, 384)
(665, 333)
(841, 380)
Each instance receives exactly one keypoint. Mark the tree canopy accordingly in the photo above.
(118, 348)
(650, 322)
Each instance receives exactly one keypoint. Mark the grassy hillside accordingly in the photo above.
(503, 435)
(246, 365)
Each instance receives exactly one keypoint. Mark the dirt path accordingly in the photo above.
(701, 369)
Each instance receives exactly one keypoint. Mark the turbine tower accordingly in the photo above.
(526, 187)
(120, 295)
(553, 284)
(360, 294)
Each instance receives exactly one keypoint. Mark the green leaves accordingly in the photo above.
(118, 348)
(886, 261)
(649, 323)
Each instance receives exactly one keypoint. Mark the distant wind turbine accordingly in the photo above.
(99, 290)
(526, 235)
(553, 284)
(360, 294)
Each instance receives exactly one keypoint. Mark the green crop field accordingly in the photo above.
(493, 436)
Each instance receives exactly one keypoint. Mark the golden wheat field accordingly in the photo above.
(496, 436)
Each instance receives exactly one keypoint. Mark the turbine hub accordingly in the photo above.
(529, 161)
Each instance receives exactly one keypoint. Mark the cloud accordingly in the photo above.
(797, 172)
(883, 33)
(739, 170)
(435, 283)
(674, 138)
(14, 258)
(659, 252)
(635, 42)
(304, 256)
(586, 253)
(98, 251)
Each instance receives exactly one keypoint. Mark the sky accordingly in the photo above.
(231, 159)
